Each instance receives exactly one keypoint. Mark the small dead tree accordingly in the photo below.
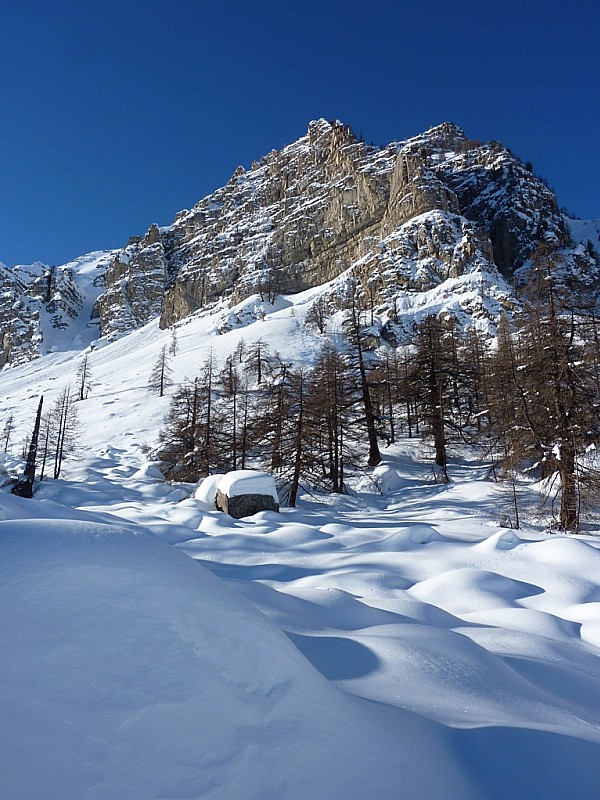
(64, 430)
(173, 344)
(24, 487)
(160, 377)
(84, 379)
(7, 432)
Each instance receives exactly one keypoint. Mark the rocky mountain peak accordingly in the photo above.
(395, 221)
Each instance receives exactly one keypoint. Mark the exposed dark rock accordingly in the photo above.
(244, 505)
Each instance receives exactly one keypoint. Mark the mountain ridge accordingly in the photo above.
(390, 222)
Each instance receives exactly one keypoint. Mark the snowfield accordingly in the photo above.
(395, 643)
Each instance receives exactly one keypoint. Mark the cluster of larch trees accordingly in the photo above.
(529, 399)
(258, 410)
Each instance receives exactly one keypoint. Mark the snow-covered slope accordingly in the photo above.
(378, 645)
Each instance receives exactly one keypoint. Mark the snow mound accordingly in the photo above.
(206, 491)
(563, 551)
(462, 591)
(501, 540)
(130, 671)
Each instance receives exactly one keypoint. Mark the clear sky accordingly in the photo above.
(115, 114)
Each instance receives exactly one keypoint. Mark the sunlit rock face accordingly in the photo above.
(408, 214)
(135, 282)
(370, 222)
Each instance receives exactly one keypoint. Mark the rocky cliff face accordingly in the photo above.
(390, 220)
(135, 284)
(49, 308)
(19, 318)
(403, 217)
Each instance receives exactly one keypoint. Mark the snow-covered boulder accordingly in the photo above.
(246, 491)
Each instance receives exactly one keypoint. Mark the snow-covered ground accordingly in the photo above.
(382, 645)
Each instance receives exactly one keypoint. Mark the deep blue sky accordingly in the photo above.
(116, 114)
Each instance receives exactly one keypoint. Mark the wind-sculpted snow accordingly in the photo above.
(129, 671)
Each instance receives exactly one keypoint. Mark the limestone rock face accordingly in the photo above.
(328, 203)
(46, 308)
(134, 285)
(296, 219)
(19, 319)
(28, 296)
(326, 209)
(498, 191)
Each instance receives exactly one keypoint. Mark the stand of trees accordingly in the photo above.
(304, 425)
(529, 399)
(55, 438)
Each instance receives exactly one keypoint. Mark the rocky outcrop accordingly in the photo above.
(134, 285)
(46, 308)
(28, 294)
(498, 191)
(19, 319)
(296, 219)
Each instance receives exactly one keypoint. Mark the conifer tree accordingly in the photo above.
(64, 430)
(430, 378)
(370, 418)
(173, 344)
(546, 391)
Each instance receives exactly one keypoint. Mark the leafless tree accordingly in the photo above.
(160, 377)
(83, 379)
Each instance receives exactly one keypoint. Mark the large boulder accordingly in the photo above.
(244, 492)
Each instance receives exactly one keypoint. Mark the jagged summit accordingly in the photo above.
(394, 221)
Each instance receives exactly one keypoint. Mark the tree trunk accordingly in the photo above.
(298, 450)
(24, 487)
(374, 454)
(569, 516)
